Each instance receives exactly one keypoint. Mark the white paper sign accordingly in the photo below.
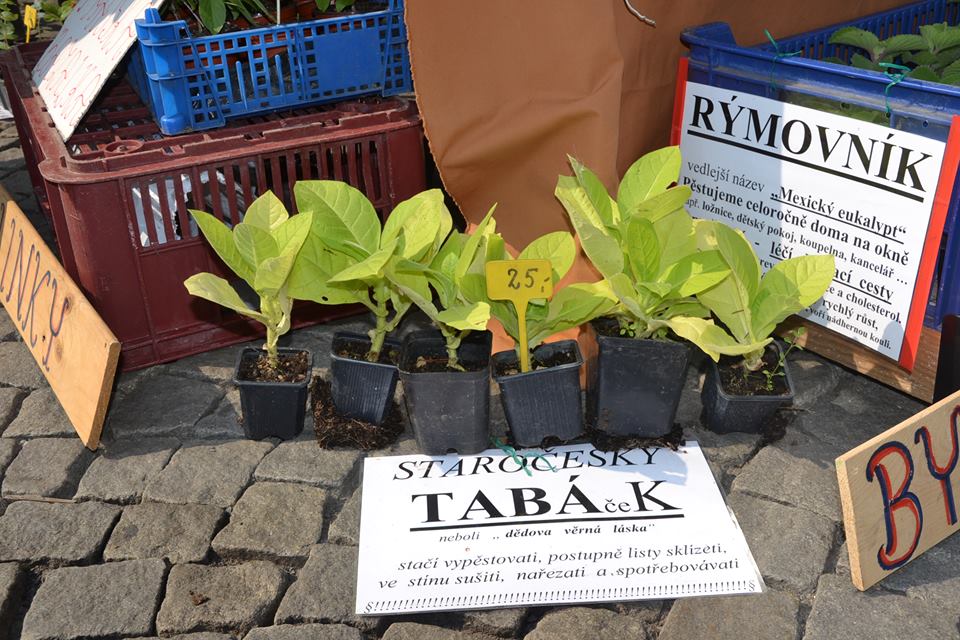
(477, 532)
(94, 38)
(800, 181)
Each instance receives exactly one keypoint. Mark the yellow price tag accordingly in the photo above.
(520, 281)
(29, 19)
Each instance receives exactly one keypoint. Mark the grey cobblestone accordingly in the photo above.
(234, 598)
(11, 585)
(215, 366)
(504, 623)
(122, 469)
(776, 532)
(575, 623)
(225, 421)
(17, 366)
(207, 473)
(346, 526)
(8, 331)
(10, 399)
(178, 533)
(162, 405)
(305, 632)
(105, 601)
(325, 590)
(767, 616)
(8, 451)
(303, 460)
(273, 520)
(840, 611)
(40, 416)
(417, 631)
(57, 534)
(47, 467)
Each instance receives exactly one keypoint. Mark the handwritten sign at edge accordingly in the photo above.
(73, 347)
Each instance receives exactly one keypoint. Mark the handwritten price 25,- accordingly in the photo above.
(520, 281)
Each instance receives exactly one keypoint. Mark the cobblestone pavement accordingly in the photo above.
(177, 527)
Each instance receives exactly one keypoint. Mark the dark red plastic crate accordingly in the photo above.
(118, 194)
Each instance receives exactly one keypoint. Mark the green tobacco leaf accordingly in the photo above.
(730, 300)
(558, 247)
(254, 244)
(596, 193)
(570, 307)
(370, 268)
(311, 273)
(690, 308)
(859, 38)
(266, 212)
(343, 218)
(627, 295)
(344, 4)
(655, 208)
(447, 257)
(604, 251)
(647, 177)
(710, 338)
(676, 237)
(788, 287)
(213, 13)
(895, 45)
(642, 249)
(473, 243)
(216, 289)
(221, 239)
(471, 317)
(291, 235)
(506, 315)
(272, 274)
(415, 286)
(924, 73)
(417, 224)
(696, 272)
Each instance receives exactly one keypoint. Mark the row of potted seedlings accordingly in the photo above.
(667, 281)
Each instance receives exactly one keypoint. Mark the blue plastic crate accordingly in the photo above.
(197, 83)
(924, 108)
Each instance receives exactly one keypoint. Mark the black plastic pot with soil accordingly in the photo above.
(634, 384)
(362, 389)
(738, 400)
(545, 401)
(449, 410)
(273, 400)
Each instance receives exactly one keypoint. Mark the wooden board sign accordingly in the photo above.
(897, 492)
(73, 347)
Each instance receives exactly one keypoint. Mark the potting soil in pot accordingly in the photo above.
(289, 368)
(333, 430)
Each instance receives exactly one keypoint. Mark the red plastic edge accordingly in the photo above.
(681, 92)
(931, 246)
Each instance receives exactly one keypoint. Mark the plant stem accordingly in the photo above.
(453, 340)
(379, 333)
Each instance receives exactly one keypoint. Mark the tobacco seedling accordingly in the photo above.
(777, 371)
(569, 307)
(348, 255)
(460, 256)
(751, 307)
(261, 250)
(643, 243)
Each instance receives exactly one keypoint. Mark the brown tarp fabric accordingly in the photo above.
(508, 88)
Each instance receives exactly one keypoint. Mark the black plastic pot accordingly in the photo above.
(361, 389)
(726, 413)
(542, 402)
(635, 385)
(272, 409)
(448, 409)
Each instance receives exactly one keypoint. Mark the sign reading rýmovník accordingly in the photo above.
(73, 347)
(799, 181)
(897, 492)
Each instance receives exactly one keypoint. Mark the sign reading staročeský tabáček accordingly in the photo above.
(585, 525)
(800, 181)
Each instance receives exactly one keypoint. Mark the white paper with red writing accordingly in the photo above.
(73, 69)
